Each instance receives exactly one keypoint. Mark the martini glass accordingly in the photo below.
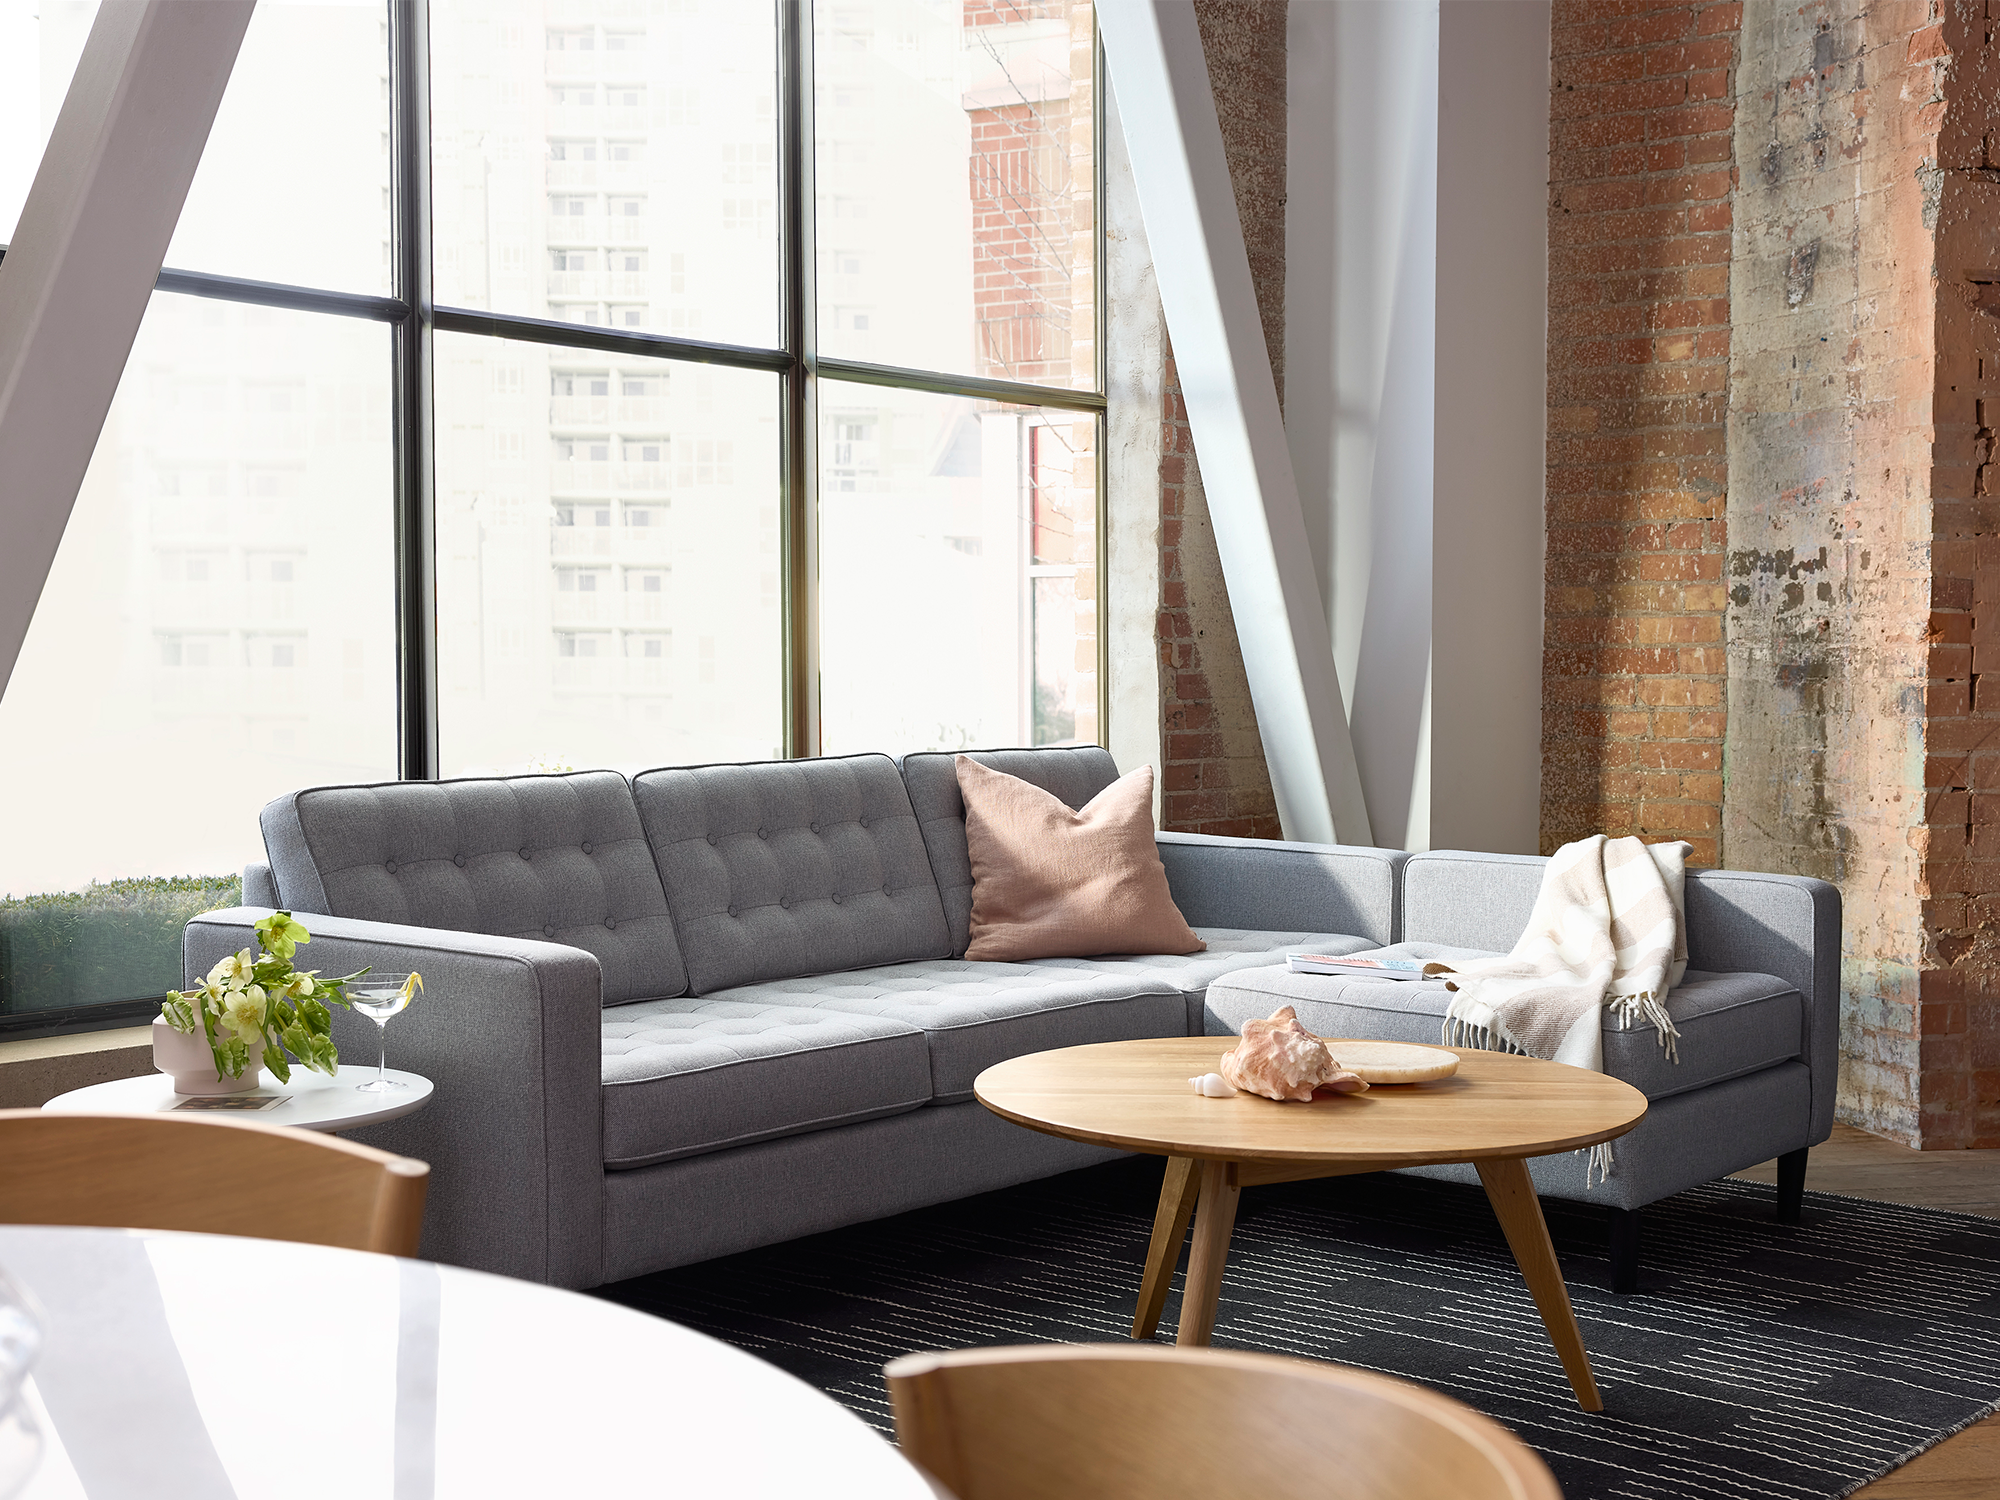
(378, 997)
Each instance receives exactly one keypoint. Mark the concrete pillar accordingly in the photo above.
(1864, 528)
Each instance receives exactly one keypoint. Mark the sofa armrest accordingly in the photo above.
(1268, 885)
(508, 1032)
(1743, 922)
(260, 888)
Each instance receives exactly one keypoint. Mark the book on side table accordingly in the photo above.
(1360, 966)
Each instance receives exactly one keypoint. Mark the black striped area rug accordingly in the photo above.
(1759, 1360)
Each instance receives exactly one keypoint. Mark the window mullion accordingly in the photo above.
(415, 501)
(799, 537)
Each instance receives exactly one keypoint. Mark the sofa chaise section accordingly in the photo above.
(1757, 1013)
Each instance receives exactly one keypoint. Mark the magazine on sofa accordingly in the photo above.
(1359, 966)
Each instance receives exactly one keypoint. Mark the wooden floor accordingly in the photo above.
(1967, 1466)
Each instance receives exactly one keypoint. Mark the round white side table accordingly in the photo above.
(311, 1101)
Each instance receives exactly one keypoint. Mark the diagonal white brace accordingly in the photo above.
(77, 277)
(1153, 50)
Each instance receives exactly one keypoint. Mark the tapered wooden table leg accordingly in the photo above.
(1170, 1227)
(1213, 1225)
(1512, 1193)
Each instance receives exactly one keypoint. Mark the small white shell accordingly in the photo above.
(1212, 1086)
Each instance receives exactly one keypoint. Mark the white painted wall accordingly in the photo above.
(1491, 448)
(1134, 369)
(1415, 302)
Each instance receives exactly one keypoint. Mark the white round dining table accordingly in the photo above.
(206, 1367)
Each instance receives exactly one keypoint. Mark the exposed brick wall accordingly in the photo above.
(1950, 70)
(1641, 170)
(1214, 778)
(1026, 196)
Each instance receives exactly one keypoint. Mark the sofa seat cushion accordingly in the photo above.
(1729, 1024)
(688, 1076)
(977, 1014)
(1229, 949)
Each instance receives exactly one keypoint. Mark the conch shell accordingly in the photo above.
(1280, 1059)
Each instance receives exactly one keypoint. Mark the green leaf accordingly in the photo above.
(274, 1059)
(315, 1052)
(231, 1056)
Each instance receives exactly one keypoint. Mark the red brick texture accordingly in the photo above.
(1213, 776)
(1953, 79)
(1030, 190)
(1641, 174)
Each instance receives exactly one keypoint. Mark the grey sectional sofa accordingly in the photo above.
(709, 1008)
(715, 1007)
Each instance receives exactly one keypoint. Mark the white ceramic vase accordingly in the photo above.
(186, 1058)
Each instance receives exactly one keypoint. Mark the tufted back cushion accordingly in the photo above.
(779, 869)
(1074, 774)
(560, 858)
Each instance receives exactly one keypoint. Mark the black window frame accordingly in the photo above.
(414, 317)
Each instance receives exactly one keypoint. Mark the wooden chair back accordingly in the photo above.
(1105, 1421)
(208, 1176)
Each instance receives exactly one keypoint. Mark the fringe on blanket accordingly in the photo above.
(1459, 1032)
(1645, 1006)
(1599, 1166)
(1630, 1009)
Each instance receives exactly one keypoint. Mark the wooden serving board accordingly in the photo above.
(1393, 1062)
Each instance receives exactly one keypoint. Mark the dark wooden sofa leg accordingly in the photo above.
(1791, 1185)
(1624, 1251)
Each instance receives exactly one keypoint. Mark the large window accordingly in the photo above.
(561, 383)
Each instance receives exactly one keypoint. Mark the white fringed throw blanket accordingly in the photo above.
(1609, 929)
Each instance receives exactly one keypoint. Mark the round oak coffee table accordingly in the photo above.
(1495, 1112)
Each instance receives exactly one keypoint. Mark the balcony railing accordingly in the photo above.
(589, 673)
(646, 673)
(183, 604)
(611, 674)
(642, 608)
(649, 478)
(597, 10)
(575, 476)
(576, 229)
(635, 284)
(597, 607)
(641, 411)
(272, 601)
(600, 229)
(276, 686)
(572, 64)
(584, 541)
(575, 119)
(579, 411)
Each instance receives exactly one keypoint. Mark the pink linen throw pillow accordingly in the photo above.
(1051, 883)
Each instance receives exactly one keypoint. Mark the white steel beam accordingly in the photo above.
(1153, 49)
(82, 264)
